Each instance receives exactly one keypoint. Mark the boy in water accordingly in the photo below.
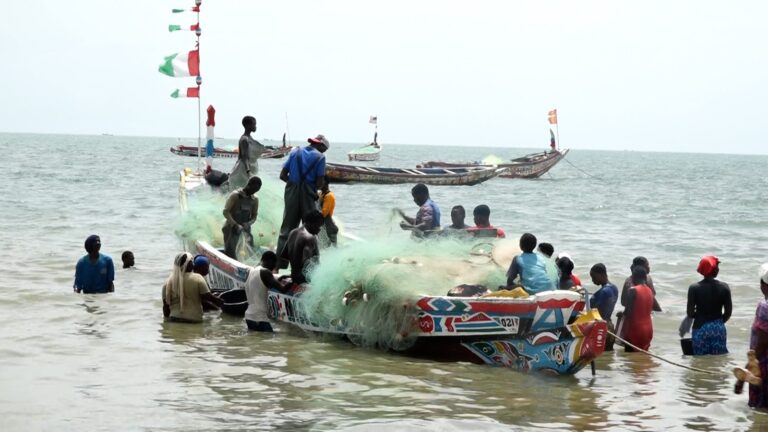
(604, 299)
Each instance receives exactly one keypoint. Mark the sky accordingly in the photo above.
(687, 76)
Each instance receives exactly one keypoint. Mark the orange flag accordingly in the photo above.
(553, 116)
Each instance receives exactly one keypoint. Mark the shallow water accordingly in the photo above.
(111, 363)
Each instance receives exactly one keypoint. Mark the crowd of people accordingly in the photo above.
(309, 208)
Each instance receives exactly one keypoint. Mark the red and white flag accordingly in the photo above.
(552, 117)
(191, 92)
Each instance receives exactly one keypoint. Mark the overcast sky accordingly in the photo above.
(651, 75)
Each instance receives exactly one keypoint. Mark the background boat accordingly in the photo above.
(338, 173)
(183, 150)
(370, 152)
(529, 166)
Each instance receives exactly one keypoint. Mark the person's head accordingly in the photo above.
(128, 260)
(320, 143)
(253, 185)
(639, 275)
(709, 266)
(420, 194)
(482, 214)
(201, 265)
(527, 242)
(93, 245)
(547, 249)
(599, 274)
(565, 264)
(249, 123)
(641, 261)
(764, 279)
(457, 216)
(313, 221)
(269, 260)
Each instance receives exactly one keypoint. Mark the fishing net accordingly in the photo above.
(204, 218)
(371, 287)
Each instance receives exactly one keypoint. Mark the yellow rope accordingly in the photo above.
(624, 341)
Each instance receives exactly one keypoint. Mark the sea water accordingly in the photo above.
(79, 362)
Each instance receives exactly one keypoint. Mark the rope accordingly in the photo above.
(662, 358)
(581, 170)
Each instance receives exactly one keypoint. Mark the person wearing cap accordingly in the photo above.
(202, 265)
(240, 212)
(709, 304)
(758, 345)
(483, 227)
(248, 152)
(303, 173)
(185, 292)
(95, 272)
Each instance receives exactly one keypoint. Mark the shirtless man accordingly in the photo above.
(301, 247)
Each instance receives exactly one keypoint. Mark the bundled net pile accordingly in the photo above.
(204, 217)
(392, 274)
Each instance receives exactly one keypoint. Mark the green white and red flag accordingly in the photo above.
(181, 64)
(193, 9)
(176, 27)
(191, 92)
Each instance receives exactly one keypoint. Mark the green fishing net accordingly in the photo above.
(371, 287)
(203, 217)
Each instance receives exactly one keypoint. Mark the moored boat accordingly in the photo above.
(370, 152)
(183, 150)
(340, 173)
(546, 332)
(532, 165)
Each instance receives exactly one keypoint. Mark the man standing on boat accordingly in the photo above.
(249, 150)
(241, 210)
(304, 174)
(427, 218)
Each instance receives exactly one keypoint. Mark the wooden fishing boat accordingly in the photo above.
(368, 153)
(529, 166)
(183, 150)
(339, 173)
(546, 332)
(276, 153)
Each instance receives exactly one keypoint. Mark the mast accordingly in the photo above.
(198, 81)
(287, 131)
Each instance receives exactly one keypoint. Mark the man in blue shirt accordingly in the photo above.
(604, 299)
(304, 174)
(95, 272)
(530, 267)
(427, 218)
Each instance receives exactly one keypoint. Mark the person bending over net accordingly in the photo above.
(301, 248)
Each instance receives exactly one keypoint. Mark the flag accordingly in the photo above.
(181, 64)
(193, 9)
(176, 27)
(191, 92)
(373, 120)
(552, 139)
(553, 117)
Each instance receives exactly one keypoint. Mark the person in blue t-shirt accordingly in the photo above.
(604, 299)
(530, 268)
(95, 272)
(427, 218)
(304, 174)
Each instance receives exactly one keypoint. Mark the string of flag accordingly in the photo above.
(187, 63)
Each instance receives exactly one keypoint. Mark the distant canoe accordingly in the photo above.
(183, 150)
(529, 166)
(277, 153)
(367, 153)
(338, 173)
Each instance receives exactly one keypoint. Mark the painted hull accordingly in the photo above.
(533, 165)
(338, 173)
(192, 152)
(540, 333)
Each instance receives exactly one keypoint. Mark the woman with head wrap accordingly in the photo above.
(95, 272)
(184, 292)
(709, 304)
(758, 345)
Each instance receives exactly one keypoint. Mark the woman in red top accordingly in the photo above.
(638, 327)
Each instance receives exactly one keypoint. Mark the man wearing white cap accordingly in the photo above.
(303, 173)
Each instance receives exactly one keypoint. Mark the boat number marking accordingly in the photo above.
(512, 324)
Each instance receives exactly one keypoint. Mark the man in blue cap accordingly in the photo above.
(95, 272)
